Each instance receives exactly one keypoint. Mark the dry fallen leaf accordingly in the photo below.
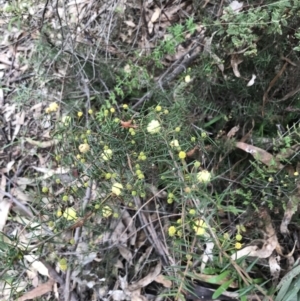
(233, 131)
(236, 6)
(235, 61)
(274, 266)
(164, 281)
(291, 208)
(128, 124)
(130, 23)
(146, 280)
(270, 241)
(19, 121)
(208, 253)
(5, 206)
(260, 154)
(37, 265)
(252, 80)
(38, 291)
(125, 253)
(155, 15)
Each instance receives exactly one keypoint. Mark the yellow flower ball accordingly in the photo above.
(66, 120)
(53, 107)
(90, 111)
(174, 143)
(107, 211)
(58, 213)
(45, 189)
(177, 129)
(197, 164)
(117, 188)
(84, 148)
(238, 245)
(153, 127)
(65, 198)
(187, 189)
(187, 79)
(182, 155)
(79, 114)
(238, 237)
(107, 176)
(63, 264)
(296, 173)
(226, 236)
(204, 176)
(170, 201)
(70, 214)
(172, 231)
(125, 106)
(112, 110)
(200, 227)
(158, 108)
(107, 154)
(192, 212)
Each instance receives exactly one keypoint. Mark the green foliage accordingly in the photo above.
(174, 149)
(243, 30)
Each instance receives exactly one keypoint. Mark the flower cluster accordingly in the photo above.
(84, 148)
(170, 199)
(204, 176)
(107, 154)
(53, 107)
(63, 264)
(154, 127)
(172, 231)
(200, 227)
(117, 188)
(240, 228)
(175, 144)
(182, 155)
(106, 211)
(70, 214)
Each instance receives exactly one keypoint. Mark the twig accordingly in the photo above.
(173, 71)
(19, 204)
